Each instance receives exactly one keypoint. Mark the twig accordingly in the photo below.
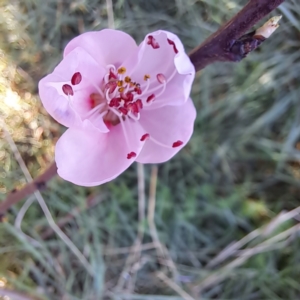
(269, 244)
(125, 250)
(264, 231)
(161, 249)
(43, 204)
(132, 264)
(174, 286)
(110, 14)
(141, 198)
(37, 184)
(92, 201)
(221, 46)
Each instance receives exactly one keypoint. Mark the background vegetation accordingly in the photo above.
(226, 223)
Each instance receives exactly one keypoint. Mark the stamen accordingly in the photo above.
(153, 90)
(112, 75)
(174, 145)
(161, 78)
(76, 78)
(145, 137)
(137, 89)
(122, 70)
(67, 89)
(139, 103)
(115, 112)
(163, 90)
(120, 97)
(127, 79)
(174, 45)
(108, 97)
(95, 109)
(111, 67)
(131, 155)
(111, 86)
(133, 116)
(123, 110)
(115, 102)
(111, 94)
(177, 144)
(152, 41)
(150, 98)
(144, 91)
(124, 130)
(106, 78)
(146, 77)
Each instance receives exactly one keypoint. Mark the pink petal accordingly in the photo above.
(107, 46)
(161, 63)
(87, 157)
(55, 88)
(171, 126)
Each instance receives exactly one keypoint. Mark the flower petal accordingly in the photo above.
(107, 46)
(167, 57)
(171, 126)
(66, 101)
(87, 157)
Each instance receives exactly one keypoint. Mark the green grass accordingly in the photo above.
(239, 171)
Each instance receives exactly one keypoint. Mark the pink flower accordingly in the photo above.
(121, 102)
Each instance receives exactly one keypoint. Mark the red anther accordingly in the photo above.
(111, 86)
(138, 90)
(76, 78)
(173, 44)
(115, 102)
(112, 75)
(128, 105)
(152, 41)
(161, 78)
(129, 96)
(124, 96)
(139, 103)
(177, 144)
(134, 108)
(131, 155)
(67, 89)
(145, 137)
(123, 110)
(150, 98)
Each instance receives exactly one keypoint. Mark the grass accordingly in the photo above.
(239, 172)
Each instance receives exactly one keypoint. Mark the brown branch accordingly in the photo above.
(220, 45)
(37, 184)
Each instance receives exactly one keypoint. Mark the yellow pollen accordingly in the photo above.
(146, 77)
(121, 89)
(132, 84)
(127, 79)
(120, 83)
(122, 70)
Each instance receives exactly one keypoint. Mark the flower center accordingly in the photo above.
(121, 98)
